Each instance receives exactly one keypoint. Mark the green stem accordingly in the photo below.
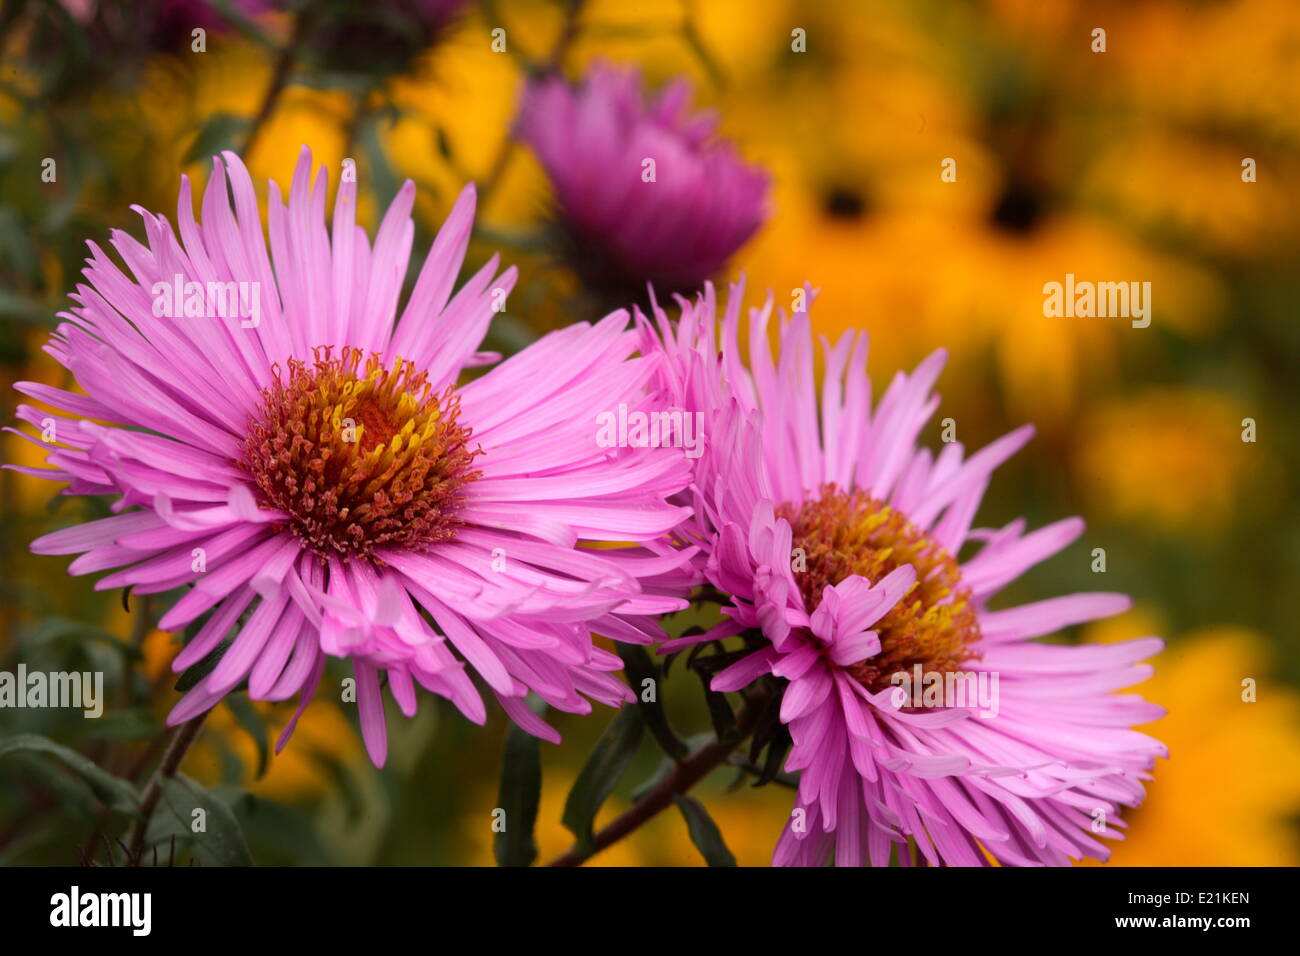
(171, 762)
(279, 80)
(682, 778)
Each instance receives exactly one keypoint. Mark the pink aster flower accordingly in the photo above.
(646, 192)
(295, 457)
(837, 539)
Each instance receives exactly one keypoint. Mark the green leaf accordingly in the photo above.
(136, 723)
(661, 772)
(15, 242)
(253, 724)
(598, 777)
(777, 748)
(721, 715)
(344, 782)
(384, 182)
(519, 795)
(221, 131)
(704, 832)
(16, 308)
(33, 836)
(71, 794)
(113, 792)
(201, 669)
(221, 844)
(667, 766)
(54, 630)
(640, 668)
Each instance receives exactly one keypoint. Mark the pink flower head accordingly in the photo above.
(646, 193)
(837, 539)
(293, 454)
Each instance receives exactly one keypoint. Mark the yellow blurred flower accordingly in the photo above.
(864, 210)
(233, 80)
(1243, 72)
(1230, 790)
(1170, 155)
(1172, 459)
(1168, 180)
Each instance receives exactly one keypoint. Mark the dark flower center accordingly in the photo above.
(844, 203)
(360, 455)
(843, 534)
(1019, 208)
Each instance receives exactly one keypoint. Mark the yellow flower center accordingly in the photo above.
(843, 534)
(360, 455)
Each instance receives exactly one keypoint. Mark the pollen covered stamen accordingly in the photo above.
(933, 625)
(360, 455)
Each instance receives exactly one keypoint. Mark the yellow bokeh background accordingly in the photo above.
(1115, 165)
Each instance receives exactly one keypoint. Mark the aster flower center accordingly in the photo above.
(843, 534)
(359, 454)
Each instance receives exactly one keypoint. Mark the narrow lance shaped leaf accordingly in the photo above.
(705, 667)
(113, 792)
(519, 796)
(640, 670)
(704, 832)
(776, 751)
(202, 668)
(601, 773)
(772, 736)
(721, 715)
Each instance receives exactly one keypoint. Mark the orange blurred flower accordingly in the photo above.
(1230, 790)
